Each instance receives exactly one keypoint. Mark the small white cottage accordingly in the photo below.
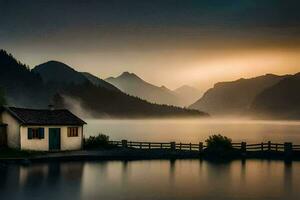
(42, 130)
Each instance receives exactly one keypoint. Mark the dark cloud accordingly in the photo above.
(26, 18)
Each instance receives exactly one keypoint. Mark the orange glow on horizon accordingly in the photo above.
(174, 68)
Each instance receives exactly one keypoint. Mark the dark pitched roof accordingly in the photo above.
(44, 117)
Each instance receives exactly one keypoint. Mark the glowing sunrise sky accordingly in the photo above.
(166, 42)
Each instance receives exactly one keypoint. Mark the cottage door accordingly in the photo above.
(54, 138)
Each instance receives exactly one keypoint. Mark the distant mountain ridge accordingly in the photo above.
(99, 82)
(58, 83)
(268, 96)
(187, 94)
(280, 101)
(117, 104)
(235, 97)
(132, 84)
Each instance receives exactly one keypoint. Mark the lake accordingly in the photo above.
(196, 130)
(164, 179)
(152, 180)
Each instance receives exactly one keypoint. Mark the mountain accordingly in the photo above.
(57, 72)
(131, 84)
(236, 97)
(187, 94)
(280, 101)
(99, 102)
(87, 95)
(99, 82)
(20, 85)
(58, 83)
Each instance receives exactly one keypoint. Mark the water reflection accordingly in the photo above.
(288, 177)
(160, 179)
(9, 179)
(125, 172)
(36, 181)
(172, 171)
(243, 171)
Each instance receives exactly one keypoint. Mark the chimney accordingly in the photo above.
(51, 107)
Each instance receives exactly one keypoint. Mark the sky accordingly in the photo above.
(166, 42)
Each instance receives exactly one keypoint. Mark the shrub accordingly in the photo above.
(100, 140)
(218, 143)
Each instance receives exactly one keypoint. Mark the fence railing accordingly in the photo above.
(243, 146)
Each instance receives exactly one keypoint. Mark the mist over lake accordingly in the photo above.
(195, 130)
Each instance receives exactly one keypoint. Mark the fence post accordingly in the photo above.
(140, 145)
(149, 145)
(262, 146)
(173, 146)
(190, 146)
(244, 147)
(288, 148)
(269, 145)
(180, 145)
(124, 144)
(200, 146)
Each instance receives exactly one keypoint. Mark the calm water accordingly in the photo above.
(195, 130)
(163, 179)
(152, 180)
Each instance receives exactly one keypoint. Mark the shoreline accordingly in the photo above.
(121, 154)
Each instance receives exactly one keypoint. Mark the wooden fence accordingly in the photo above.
(243, 146)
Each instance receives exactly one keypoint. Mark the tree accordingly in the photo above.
(2, 97)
